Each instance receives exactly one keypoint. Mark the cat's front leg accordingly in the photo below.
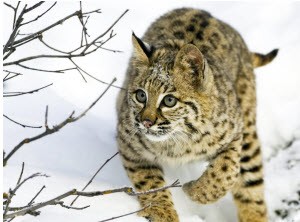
(220, 176)
(146, 176)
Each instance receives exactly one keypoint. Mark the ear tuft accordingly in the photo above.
(142, 50)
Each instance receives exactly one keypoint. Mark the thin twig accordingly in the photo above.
(12, 37)
(46, 118)
(34, 6)
(51, 47)
(91, 180)
(80, 69)
(103, 34)
(124, 215)
(11, 72)
(15, 11)
(39, 16)
(35, 196)
(45, 70)
(20, 124)
(11, 94)
(61, 203)
(56, 128)
(84, 33)
(21, 174)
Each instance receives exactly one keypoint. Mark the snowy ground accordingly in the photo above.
(72, 155)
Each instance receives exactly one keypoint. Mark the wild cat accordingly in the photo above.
(191, 96)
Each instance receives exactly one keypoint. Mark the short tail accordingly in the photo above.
(261, 60)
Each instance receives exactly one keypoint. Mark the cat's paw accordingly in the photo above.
(157, 214)
(202, 194)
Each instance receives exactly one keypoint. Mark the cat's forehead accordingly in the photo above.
(160, 72)
(159, 79)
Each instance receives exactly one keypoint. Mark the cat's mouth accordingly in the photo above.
(156, 136)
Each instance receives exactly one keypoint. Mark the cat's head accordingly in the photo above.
(169, 91)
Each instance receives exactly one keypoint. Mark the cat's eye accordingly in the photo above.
(169, 101)
(141, 96)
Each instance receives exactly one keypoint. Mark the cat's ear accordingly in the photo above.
(142, 50)
(191, 67)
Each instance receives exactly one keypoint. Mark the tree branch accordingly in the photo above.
(124, 215)
(127, 190)
(19, 184)
(56, 128)
(20, 124)
(11, 94)
(34, 6)
(35, 196)
(10, 72)
(91, 180)
(39, 16)
(12, 37)
(45, 70)
(79, 69)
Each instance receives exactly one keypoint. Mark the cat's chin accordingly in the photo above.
(158, 138)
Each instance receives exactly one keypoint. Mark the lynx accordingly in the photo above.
(191, 96)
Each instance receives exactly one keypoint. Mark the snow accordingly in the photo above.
(72, 155)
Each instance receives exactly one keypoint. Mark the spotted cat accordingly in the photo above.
(191, 96)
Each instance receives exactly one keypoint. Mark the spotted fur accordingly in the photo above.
(207, 67)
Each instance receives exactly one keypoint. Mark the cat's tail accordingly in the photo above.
(261, 59)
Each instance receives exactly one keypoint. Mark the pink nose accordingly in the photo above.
(147, 123)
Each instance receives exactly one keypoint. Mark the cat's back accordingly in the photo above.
(218, 42)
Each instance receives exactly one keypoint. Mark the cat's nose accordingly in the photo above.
(147, 123)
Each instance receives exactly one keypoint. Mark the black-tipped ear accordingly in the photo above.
(141, 47)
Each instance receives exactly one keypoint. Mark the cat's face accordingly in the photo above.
(163, 99)
(160, 111)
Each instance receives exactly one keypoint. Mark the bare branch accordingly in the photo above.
(34, 6)
(56, 128)
(12, 50)
(124, 215)
(127, 190)
(39, 16)
(15, 11)
(21, 174)
(20, 124)
(13, 192)
(11, 94)
(51, 47)
(59, 22)
(13, 8)
(22, 43)
(84, 33)
(13, 44)
(46, 29)
(45, 70)
(85, 72)
(61, 203)
(91, 180)
(46, 118)
(10, 72)
(12, 37)
(35, 196)
(103, 34)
